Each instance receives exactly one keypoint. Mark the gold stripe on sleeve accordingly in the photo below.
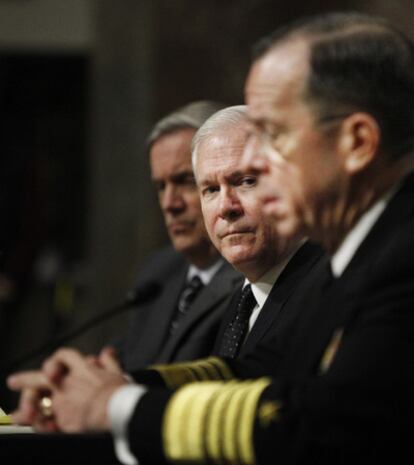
(213, 373)
(221, 367)
(244, 431)
(175, 375)
(183, 430)
(231, 423)
(178, 374)
(212, 422)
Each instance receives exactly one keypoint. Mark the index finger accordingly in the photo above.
(62, 361)
(28, 380)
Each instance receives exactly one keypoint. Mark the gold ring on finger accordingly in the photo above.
(46, 407)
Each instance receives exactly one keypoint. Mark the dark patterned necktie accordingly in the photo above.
(236, 331)
(187, 296)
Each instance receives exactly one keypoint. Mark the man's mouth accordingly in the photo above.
(270, 199)
(179, 227)
(235, 233)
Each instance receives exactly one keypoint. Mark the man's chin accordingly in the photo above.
(238, 255)
(288, 228)
(272, 207)
(182, 243)
(287, 224)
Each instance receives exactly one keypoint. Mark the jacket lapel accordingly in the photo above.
(222, 284)
(161, 315)
(296, 270)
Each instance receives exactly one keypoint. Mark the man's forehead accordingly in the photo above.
(173, 165)
(221, 155)
(224, 142)
(231, 139)
(278, 69)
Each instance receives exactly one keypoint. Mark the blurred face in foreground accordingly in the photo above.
(232, 210)
(172, 175)
(294, 155)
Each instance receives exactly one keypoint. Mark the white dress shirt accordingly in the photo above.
(262, 287)
(207, 274)
(342, 257)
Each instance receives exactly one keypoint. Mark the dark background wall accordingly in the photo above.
(81, 83)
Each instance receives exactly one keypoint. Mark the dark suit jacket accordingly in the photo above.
(276, 314)
(342, 389)
(276, 317)
(147, 340)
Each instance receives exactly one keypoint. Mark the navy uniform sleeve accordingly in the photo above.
(175, 375)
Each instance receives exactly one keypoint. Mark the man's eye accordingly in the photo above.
(188, 180)
(248, 181)
(209, 190)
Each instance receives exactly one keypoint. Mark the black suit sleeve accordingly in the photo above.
(175, 375)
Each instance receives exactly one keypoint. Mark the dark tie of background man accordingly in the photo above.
(236, 331)
(187, 296)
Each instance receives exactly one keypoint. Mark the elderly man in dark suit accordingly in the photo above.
(193, 283)
(272, 267)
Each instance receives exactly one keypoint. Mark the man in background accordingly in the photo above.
(192, 283)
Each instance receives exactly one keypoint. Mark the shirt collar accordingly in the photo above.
(262, 287)
(207, 274)
(342, 257)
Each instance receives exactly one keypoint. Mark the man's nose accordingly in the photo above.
(172, 200)
(230, 205)
(254, 158)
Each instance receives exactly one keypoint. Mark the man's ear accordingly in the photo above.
(359, 141)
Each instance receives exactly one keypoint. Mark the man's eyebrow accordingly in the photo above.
(175, 177)
(182, 174)
(233, 176)
(204, 182)
(237, 174)
(260, 120)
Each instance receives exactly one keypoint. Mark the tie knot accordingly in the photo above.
(195, 283)
(247, 300)
(189, 293)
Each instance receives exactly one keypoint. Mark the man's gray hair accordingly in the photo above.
(225, 119)
(192, 115)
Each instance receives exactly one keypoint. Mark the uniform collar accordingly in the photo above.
(342, 257)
